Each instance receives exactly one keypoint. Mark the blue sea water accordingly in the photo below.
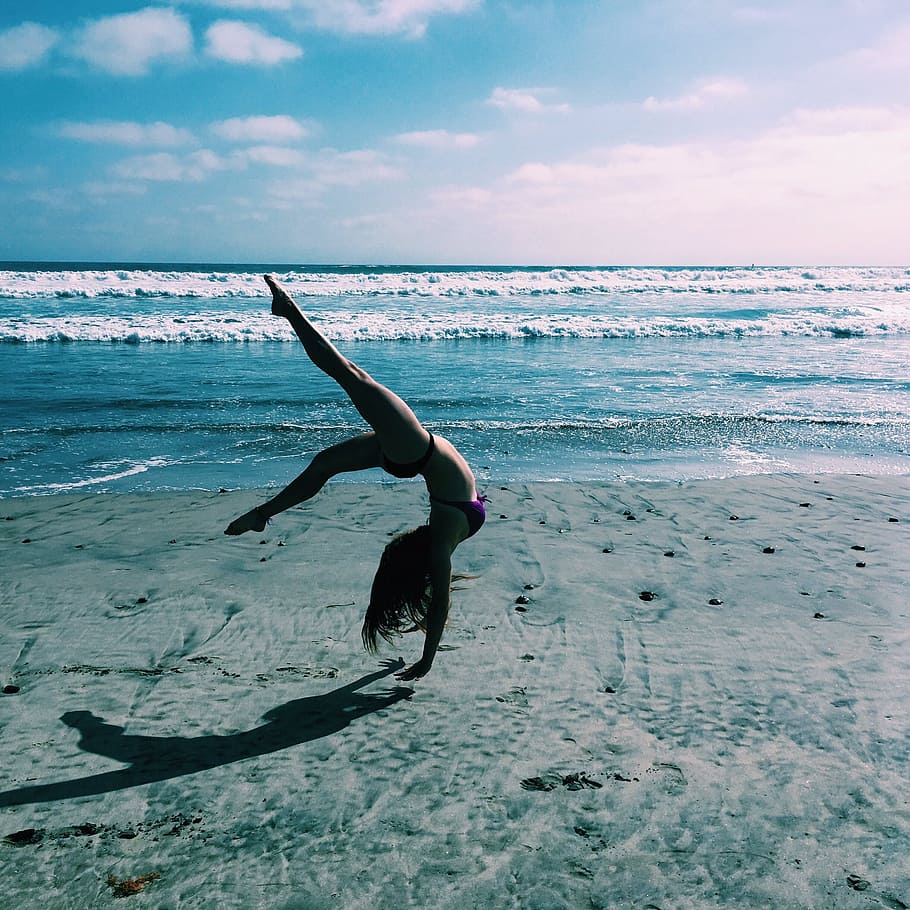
(141, 377)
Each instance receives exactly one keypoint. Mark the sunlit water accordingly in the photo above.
(175, 378)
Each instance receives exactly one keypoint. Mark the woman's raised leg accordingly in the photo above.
(400, 434)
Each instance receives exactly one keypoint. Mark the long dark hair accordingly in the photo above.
(401, 590)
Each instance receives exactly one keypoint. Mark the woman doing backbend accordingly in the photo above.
(411, 586)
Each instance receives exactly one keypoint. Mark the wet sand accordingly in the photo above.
(653, 695)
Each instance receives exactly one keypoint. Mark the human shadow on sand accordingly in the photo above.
(155, 758)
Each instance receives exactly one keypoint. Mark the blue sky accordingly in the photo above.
(456, 131)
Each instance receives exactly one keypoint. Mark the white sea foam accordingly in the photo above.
(406, 325)
(146, 283)
(130, 470)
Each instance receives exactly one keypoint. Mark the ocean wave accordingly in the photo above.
(404, 325)
(731, 421)
(128, 469)
(268, 431)
(455, 283)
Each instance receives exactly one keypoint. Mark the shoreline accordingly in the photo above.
(199, 708)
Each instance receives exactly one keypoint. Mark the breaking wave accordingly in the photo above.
(144, 283)
(402, 325)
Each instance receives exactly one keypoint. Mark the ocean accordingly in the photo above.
(142, 377)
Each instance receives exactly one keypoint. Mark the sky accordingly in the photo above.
(659, 132)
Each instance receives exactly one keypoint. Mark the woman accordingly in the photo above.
(411, 586)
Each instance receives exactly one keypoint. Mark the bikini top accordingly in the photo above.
(411, 468)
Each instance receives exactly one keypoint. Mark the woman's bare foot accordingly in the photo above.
(282, 305)
(249, 521)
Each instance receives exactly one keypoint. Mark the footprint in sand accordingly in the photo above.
(310, 672)
(27, 837)
(516, 697)
(551, 780)
(673, 778)
(544, 784)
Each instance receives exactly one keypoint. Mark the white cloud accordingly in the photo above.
(757, 14)
(102, 190)
(841, 120)
(29, 174)
(316, 172)
(25, 45)
(358, 222)
(706, 93)
(360, 17)
(438, 139)
(238, 42)
(890, 52)
(353, 168)
(331, 169)
(127, 44)
(825, 185)
(265, 129)
(165, 166)
(470, 197)
(289, 194)
(381, 17)
(251, 4)
(114, 132)
(53, 198)
(274, 155)
(525, 100)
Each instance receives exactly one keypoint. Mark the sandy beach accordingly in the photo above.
(652, 696)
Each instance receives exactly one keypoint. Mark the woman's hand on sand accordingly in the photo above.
(249, 521)
(421, 668)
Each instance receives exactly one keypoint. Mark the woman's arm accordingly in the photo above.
(438, 611)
